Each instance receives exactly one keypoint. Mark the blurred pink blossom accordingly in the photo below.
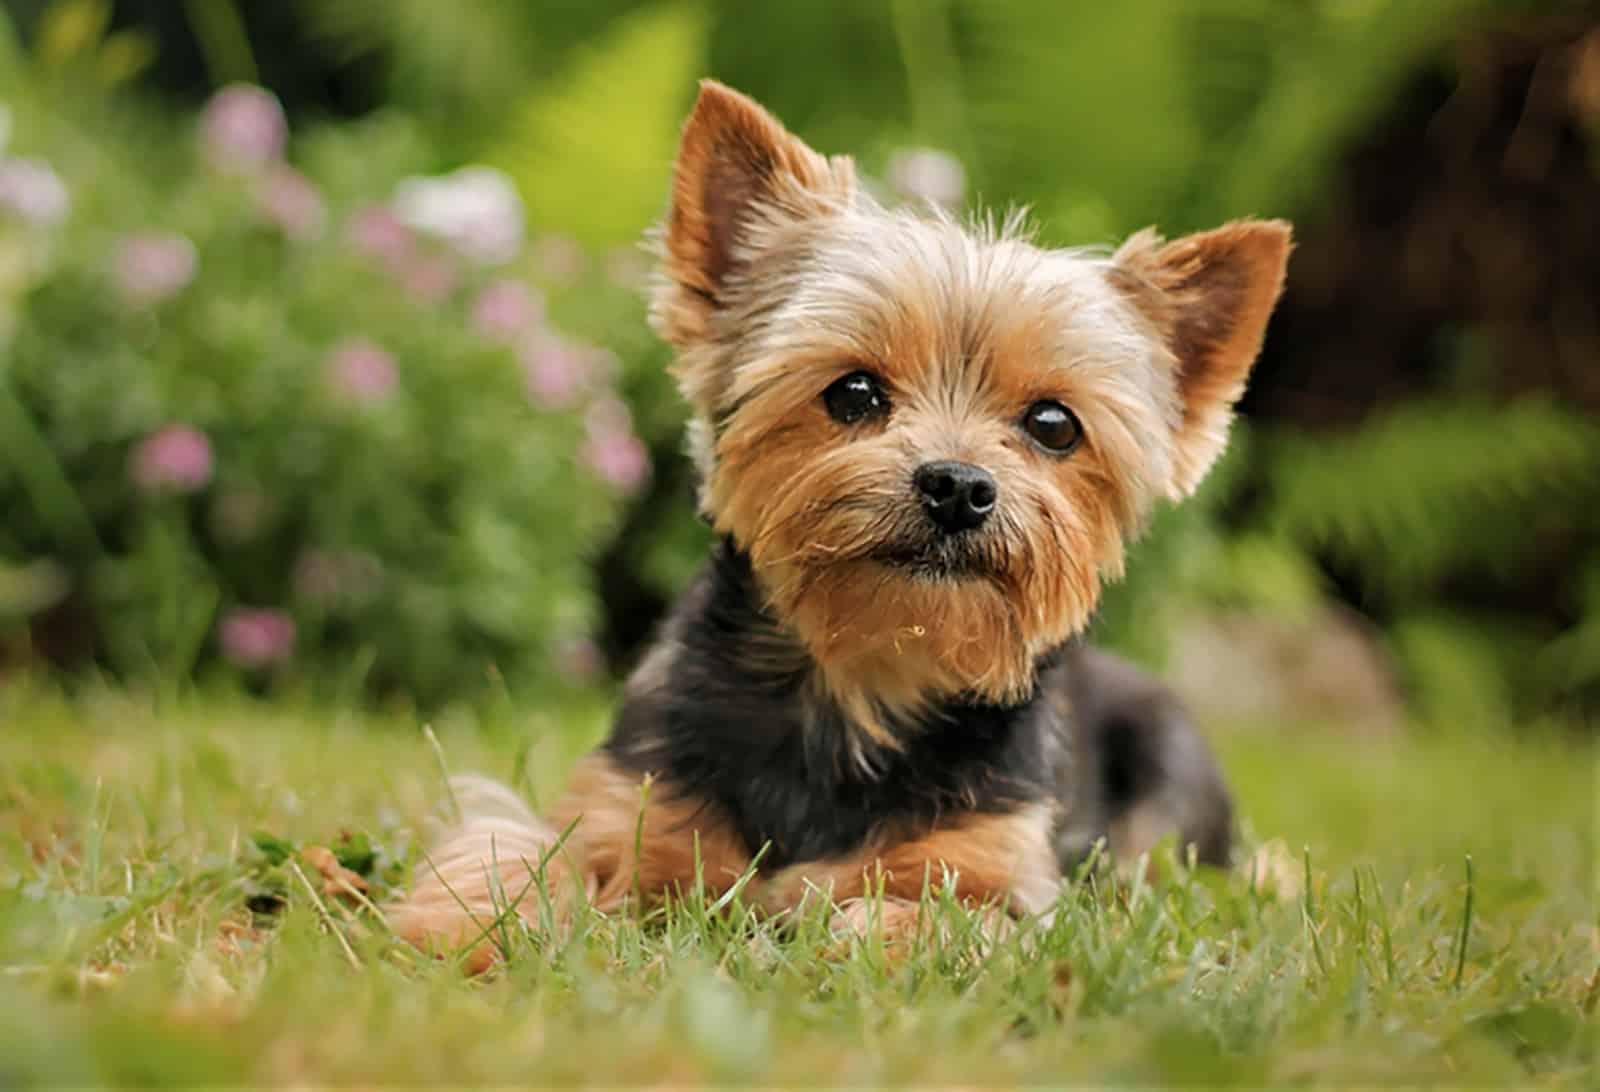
(927, 174)
(243, 129)
(32, 192)
(153, 267)
(619, 459)
(428, 278)
(506, 308)
(362, 371)
(578, 659)
(330, 578)
(289, 200)
(256, 637)
(559, 258)
(376, 232)
(477, 210)
(555, 371)
(175, 458)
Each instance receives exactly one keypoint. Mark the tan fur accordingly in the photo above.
(481, 869)
(812, 503)
(1139, 830)
(736, 163)
(1209, 297)
(898, 922)
(639, 838)
(627, 839)
(778, 277)
(894, 919)
(1005, 860)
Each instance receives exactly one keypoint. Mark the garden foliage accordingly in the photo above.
(378, 395)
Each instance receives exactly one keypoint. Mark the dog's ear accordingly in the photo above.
(1209, 297)
(740, 178)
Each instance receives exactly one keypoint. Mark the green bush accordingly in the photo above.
(277, 417)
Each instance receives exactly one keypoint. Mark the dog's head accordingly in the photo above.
(934, 441)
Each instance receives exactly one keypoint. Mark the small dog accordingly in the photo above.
(924, 448)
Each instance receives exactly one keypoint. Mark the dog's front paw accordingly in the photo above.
(896, 923)
(889, 921)
(864, 918)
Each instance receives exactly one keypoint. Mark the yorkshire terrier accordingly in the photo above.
(924, 448)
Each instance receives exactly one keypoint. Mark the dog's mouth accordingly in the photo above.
(937, 559)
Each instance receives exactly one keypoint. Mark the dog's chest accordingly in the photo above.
(794, 778)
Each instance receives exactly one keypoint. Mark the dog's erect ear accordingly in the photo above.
(1209, 296)
(740, 177)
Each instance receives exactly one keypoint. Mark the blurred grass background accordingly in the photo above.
(286, 397)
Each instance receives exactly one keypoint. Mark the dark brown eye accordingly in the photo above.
(855, 398)
(1054, 426)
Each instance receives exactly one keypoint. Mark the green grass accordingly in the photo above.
(129, 952)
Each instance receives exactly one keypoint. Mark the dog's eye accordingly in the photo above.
(1054, 426)
(855, 398)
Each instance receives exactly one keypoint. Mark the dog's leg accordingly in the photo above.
(482, 869)
(628, 839)
(1000, 865)
(642, 839)
(1136, 768)
(896, 922)
(893, 919)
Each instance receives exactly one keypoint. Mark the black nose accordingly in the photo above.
(957, 496)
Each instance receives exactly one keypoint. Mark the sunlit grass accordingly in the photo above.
(130, 952)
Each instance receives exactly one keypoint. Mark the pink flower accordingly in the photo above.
(428, 278)
(476, 210)
(32, 192)
(619, 459)
(289, 200)
(376, 232)
(559, 258)
(612, 451)
(176, 458)
(243, 129)
(152, 267)
(506, 308)
(254, 637)
(362, 371)
(555, 371)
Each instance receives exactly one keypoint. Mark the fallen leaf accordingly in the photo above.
(336, 878)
